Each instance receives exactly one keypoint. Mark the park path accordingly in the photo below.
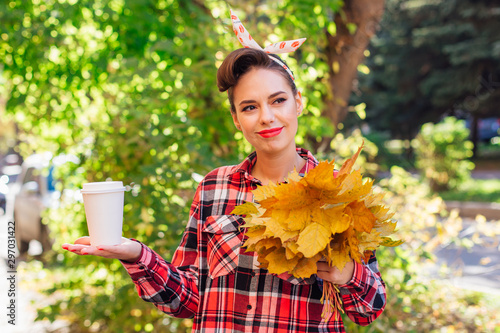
(26, 300)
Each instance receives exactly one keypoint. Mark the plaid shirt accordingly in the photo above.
(219, 284)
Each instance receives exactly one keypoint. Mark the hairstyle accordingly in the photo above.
(241, 61)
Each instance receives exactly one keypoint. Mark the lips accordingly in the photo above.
(268, 133)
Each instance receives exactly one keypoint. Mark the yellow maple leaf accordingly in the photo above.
(276, 229)
(385, 228)
(278, 263)
(351, 181)
(313, 239)
(254, 236)
(280, 216)
(338, 258)
(374, 199)
(299, 218)
(292, 247)
(334, 218)
(291, 195)
(387, 241)
(382, 213)
(306, 267)
(362, 218)
(351, 242)
(265, 246)
(247, 208)
(293, 177)
(354, 193)
(369, 241)
(264, 192)
(321, 177)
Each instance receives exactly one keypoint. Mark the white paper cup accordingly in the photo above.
(103, 202)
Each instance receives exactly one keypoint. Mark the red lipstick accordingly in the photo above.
(268, 133)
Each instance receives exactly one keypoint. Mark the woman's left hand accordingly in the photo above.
(333, 274)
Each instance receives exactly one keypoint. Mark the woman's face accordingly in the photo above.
(266, 110)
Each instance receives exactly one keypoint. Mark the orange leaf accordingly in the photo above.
(338, 259)
(321, 177)
(347, 166)
(306, 267)
(362, 218)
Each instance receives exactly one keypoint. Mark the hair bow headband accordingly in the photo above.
(281, 47)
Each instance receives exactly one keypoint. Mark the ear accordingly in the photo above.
(235, 120)
(300, 104)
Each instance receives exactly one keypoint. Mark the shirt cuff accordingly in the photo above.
(356, 284)
(138, 268)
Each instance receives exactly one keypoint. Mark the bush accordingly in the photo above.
(416, 300)
(442, 153)
(345, 146)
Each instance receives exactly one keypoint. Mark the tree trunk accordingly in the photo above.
(345, 51)
(474, 135)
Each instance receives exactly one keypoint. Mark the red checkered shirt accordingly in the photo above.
(212, 279)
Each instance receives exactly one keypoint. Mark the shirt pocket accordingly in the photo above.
(224, 240)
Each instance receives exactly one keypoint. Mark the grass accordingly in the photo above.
(480, 190)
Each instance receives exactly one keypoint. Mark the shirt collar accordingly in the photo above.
(245, 167)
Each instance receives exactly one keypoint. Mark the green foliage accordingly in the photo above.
(390, 152)
(430, 58)
(442, 153)
(128, 86)
(345, 146)
(478, 190)
(419, 301)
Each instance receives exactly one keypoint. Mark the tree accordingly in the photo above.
(435, 58)
(356, 25)
(129, 88)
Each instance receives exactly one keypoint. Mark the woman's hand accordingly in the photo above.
(333, 274)
(128, 250)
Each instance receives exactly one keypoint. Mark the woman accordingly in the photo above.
(210, 277)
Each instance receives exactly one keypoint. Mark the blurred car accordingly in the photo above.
(487, 128)
(4, 190)
(33, 192)
(10, 168)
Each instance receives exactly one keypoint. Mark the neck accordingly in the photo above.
(276, 167)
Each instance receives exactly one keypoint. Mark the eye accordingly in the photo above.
(279, 100)
(248, 108)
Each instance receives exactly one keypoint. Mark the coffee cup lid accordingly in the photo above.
(111, 186)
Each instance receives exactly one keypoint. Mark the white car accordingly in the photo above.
(33, 192)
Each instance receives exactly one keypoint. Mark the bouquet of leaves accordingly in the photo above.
(293, 225)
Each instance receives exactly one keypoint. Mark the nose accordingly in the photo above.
(266, 114)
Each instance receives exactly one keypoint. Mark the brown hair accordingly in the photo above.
(241, 61)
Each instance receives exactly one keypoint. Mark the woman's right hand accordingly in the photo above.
(128, 250)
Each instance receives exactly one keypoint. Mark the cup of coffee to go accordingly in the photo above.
(103, 202)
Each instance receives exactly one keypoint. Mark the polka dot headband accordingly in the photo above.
(281, 47)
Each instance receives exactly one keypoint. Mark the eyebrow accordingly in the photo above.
(250, 101)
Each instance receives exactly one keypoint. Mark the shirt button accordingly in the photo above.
(249, 307)
(253, 274)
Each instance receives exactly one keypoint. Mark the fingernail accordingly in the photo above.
(99, 248)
